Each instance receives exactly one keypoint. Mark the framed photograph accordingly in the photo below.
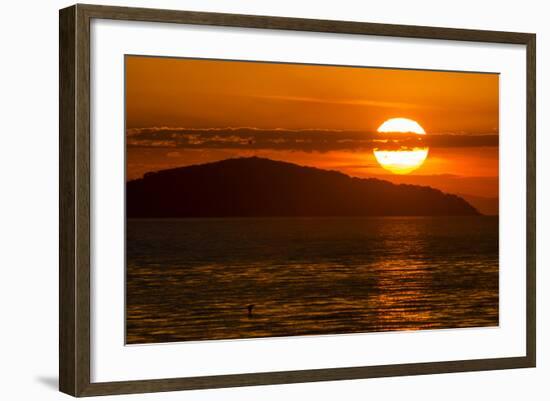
(249, 200)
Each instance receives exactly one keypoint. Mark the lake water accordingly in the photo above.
(192, 279)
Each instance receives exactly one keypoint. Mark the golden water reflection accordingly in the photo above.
(193, 279)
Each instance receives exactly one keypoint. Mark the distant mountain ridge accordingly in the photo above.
(259, 187)
(485, 205)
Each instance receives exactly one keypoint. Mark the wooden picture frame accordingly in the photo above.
(74, 206)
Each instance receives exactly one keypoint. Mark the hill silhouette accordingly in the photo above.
(258, 187)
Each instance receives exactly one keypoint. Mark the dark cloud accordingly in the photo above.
(310, 140)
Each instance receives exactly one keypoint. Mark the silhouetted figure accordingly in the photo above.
(250, 307)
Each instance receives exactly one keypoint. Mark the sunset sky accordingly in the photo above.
(189, 111)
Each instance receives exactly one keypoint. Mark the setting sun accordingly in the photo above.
(401, 159)
(401, 125)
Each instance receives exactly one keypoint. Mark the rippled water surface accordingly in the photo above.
(192, 279)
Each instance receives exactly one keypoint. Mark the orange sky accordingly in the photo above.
(188, 111)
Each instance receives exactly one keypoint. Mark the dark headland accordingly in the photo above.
(258, 187)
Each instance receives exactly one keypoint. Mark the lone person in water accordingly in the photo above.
(250, 307)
